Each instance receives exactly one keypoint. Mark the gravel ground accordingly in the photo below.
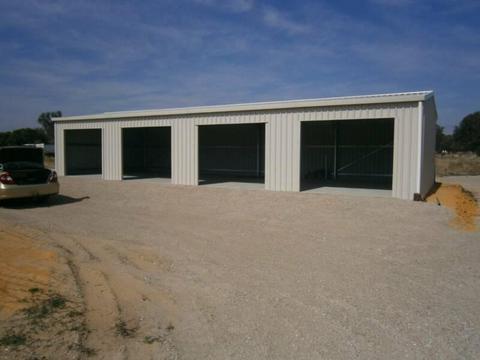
(215, 273)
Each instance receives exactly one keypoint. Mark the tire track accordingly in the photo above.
(122, 321)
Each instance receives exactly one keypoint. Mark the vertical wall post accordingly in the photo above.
(258, 150)
(184, 152)
(335, 150)
(59, 149)
(420, 132)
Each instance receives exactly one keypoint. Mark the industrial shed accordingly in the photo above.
(383, 142)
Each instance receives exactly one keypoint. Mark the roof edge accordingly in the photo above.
(272, 105)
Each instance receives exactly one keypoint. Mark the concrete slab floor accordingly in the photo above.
(350, 191)
(235, 185)
(159, 180)
(87, 176)
(254, 185)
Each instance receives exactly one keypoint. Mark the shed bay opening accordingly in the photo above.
(83, 152)
(347, 153)
(146, 152)
(231, 153)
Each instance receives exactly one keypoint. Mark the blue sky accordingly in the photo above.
(93, 56)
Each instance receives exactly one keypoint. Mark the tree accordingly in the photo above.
(466, 135)
(4, 136)
(23, 136)
(45, 120)
(443, 141)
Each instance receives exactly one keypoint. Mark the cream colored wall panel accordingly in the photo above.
(59, 152)
(428, 154)
(184, 152)
(112, 152)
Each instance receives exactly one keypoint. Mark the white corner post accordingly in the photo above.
(420, 132)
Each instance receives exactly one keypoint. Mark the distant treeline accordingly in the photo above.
(43, 135)
(23, 136)
(465, 137)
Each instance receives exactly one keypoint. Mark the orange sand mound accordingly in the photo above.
(462, 202)
(23, 266)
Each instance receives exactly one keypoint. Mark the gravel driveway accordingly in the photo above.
(246, 274)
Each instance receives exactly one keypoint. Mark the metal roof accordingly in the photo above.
(272, 105)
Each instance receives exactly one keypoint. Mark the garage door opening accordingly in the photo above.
(232, 154)
(347, 154)
(146, 152)
(83, 152)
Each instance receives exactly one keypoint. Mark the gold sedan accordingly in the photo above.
(23, 175)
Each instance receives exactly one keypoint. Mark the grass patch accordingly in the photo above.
(121, 329)
(81, 328)
(13, 340)
(57, 302)
(34, 290)
(74, 313)
(46, 307)
(87, 351)
(82, 349)
(151, 339)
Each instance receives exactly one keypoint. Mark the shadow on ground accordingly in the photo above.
(28, 203)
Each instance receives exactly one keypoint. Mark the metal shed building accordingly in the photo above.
(382, 141)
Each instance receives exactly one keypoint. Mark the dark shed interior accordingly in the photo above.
(83, 152)
(232, 153)
(146, 152)
(347, 153)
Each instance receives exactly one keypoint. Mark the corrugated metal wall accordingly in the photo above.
(428, 154)
(282, 141)
(405, 152)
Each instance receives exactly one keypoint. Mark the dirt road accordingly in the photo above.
(166, 272)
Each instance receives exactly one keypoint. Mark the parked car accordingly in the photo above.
(23, 174)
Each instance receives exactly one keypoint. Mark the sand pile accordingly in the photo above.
(462, 202)
(23, 266)
(41, 313)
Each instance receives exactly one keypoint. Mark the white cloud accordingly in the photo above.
(394, 3)
(276, 19)
(241, 5)
(231, 5)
